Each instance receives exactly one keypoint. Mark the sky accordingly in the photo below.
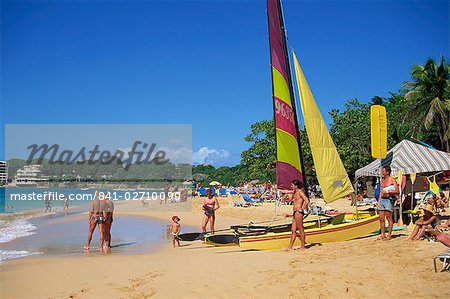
(202, 63)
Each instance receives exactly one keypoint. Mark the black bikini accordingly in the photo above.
(297, 211)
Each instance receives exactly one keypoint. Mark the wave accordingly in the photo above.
(15, 229)
(14, 254)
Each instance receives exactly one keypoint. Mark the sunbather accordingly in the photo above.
(444, 238)
(444, 225)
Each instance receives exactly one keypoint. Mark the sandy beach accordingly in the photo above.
(363, 268)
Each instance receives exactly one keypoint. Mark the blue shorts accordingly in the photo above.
(385, 205)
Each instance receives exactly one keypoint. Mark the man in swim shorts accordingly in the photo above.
(389, 188)
(108, 210)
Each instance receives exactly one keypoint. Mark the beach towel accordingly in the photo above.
(434, 188)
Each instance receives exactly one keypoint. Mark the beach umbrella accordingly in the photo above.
(214, 183)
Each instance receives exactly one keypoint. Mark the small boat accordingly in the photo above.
(330, 233)
(331, 174)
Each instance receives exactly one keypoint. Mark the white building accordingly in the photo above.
(3, 172)
(29, 176)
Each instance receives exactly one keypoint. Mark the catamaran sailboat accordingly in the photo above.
(330, 170)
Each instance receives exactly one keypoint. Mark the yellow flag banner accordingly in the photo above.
(378, 128)
(399, 178)
(412, 175)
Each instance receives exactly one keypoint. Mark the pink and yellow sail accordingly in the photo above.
(289, 164)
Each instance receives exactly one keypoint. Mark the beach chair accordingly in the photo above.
(202, 192)
(223, 192)
(445, 258)
(250, 200)
(239, 203)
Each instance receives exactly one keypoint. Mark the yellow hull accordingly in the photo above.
(311, 222)
(361, 215)
(329, 233)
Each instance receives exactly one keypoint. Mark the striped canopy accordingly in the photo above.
(408, 157)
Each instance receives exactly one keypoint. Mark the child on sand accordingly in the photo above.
(175, 229)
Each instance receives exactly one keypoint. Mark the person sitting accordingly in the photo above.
(427, 221)
(268, 195)
(442, 201)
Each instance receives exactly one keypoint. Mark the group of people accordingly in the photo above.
(100, 214)
(48, 203)
(427, 225)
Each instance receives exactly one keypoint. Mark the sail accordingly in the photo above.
(288, 165)
(330, 171)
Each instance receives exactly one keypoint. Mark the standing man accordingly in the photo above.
(48, 203)
(389, 188)
(300, 206)
(108, 213)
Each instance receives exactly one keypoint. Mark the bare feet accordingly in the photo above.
(388, 238)
(381, 238)
(288, 249)
(301, 248)
(86, 247)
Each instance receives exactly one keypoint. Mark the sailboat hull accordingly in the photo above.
(231, 237)
(329, 233)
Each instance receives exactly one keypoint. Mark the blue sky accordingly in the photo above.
(204, 63)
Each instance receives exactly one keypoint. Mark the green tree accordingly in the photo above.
(350, 132)
(429, 98)
(260, 158)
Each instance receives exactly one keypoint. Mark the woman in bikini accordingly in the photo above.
(299, 207)
(95, 217)
(210, 205)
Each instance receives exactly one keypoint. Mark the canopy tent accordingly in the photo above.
(408, 157)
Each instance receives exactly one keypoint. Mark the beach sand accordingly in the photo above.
(363, 268)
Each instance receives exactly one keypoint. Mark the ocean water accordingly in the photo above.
(12, 230)
(60, 234)
(13, 200)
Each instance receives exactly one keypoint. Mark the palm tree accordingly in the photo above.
(429, 98)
